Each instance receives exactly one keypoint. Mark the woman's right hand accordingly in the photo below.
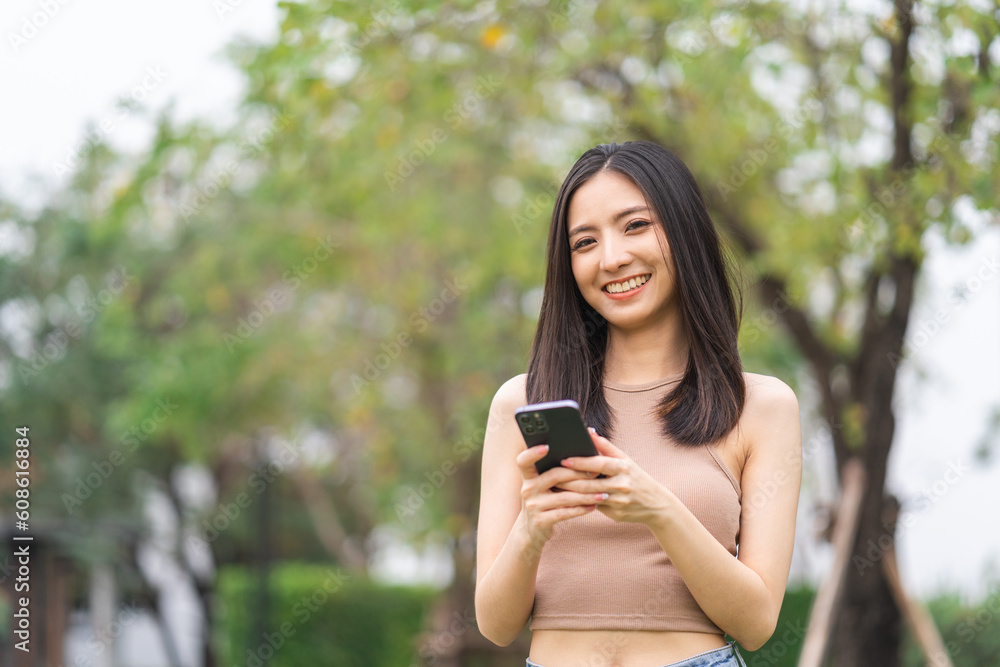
(542, 507)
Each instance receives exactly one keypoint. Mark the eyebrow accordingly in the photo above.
(618, 216)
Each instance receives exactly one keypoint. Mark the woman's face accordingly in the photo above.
(617, 250)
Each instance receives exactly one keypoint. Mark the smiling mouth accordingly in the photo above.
(627, 285)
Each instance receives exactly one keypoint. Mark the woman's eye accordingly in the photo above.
(637, 224)
(582, 243)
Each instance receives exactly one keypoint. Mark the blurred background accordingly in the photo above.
(264, 265)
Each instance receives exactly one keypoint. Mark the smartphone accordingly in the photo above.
(557, 424)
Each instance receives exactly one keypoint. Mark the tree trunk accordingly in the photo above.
(816, 643)
(204, 585)
(868, 630)
(869, 626)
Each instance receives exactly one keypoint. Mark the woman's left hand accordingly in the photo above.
(632, 495)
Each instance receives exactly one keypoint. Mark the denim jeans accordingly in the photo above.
(727, 656)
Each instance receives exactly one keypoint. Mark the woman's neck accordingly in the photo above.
(640, 356)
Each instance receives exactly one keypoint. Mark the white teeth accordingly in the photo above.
(617, 288)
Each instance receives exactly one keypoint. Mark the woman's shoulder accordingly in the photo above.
(771, 407)
(768, 391)
(501, 425)
(511, 394)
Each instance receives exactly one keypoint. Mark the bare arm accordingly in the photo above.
(517, 512)
(741, 595)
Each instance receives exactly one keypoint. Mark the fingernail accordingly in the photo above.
(601, 496)
(592, 430)
(569, 463)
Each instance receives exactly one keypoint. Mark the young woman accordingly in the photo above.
(640, 567)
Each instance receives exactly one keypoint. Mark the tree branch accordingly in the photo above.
(902, 86)
(818, 354)
(826, 605)
(328, 528)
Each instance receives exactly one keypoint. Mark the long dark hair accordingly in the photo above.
(568, 353)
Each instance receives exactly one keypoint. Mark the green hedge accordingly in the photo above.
(319, 616)
(971, 634)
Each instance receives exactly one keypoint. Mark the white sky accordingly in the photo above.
(944, 418)
(90, 54)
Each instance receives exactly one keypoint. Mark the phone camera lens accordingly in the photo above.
(529, 429)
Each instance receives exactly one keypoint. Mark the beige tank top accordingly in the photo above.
(599, 574)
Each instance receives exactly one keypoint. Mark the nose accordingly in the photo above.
(615, 254)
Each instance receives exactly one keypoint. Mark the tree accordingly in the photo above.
(360, 256)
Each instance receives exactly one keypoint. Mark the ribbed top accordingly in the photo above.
(599, 574)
